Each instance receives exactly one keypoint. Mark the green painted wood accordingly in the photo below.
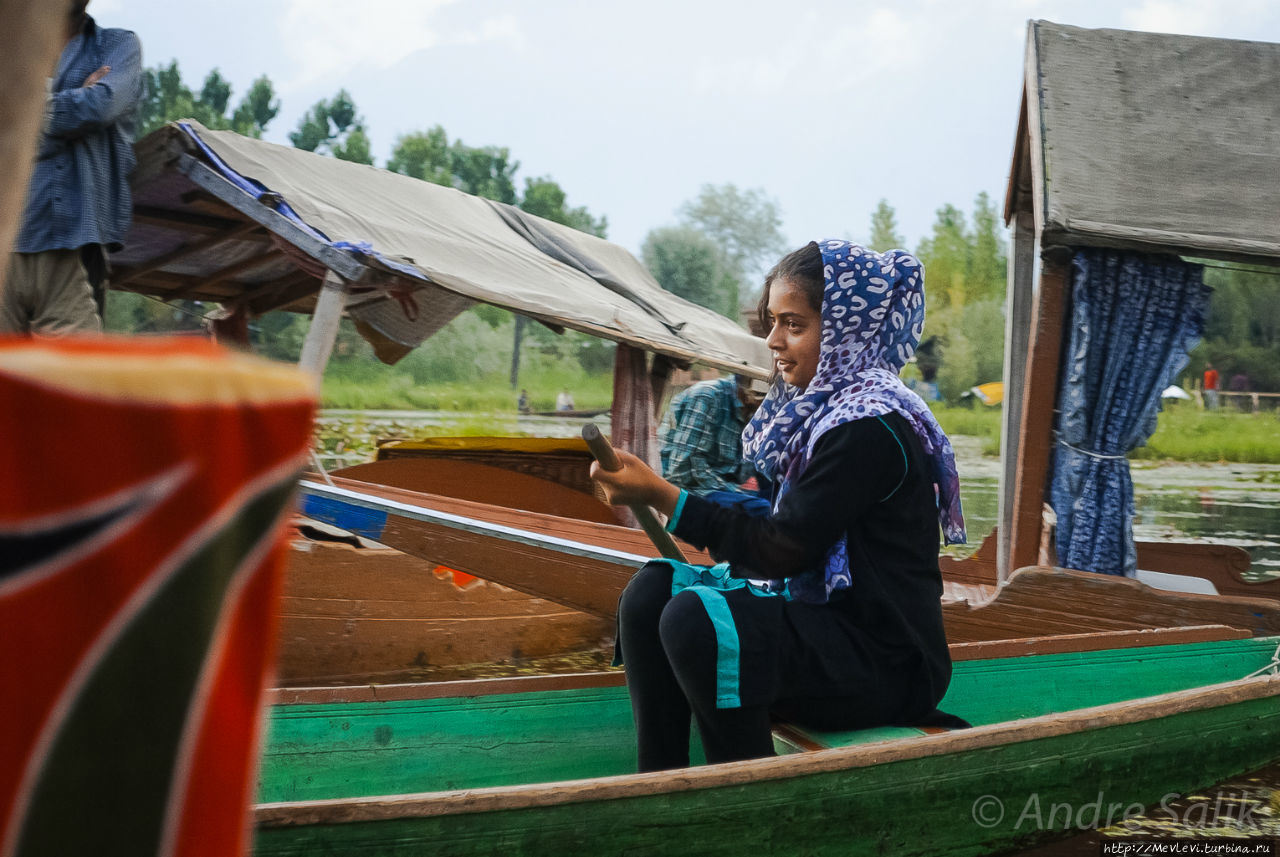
(915, 807)
(349, 750)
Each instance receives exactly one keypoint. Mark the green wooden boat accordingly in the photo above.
(511, 767)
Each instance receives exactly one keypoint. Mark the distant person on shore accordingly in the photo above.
(522, 403)
(1210, 387)
(564, 401)
(78, 204)
(1240, 384)
(701, 442)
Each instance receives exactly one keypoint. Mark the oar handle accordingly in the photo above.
(603, 451)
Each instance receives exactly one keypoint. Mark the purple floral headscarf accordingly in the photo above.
(872, 320)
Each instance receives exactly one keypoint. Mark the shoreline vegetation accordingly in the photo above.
(1184, 431)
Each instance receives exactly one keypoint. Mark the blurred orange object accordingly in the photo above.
(147, 483)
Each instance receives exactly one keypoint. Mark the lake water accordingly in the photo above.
(1234, 504)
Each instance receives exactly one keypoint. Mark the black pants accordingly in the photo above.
(669, 647)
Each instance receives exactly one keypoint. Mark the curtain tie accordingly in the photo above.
(1087, 452)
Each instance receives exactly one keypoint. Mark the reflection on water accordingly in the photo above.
(1231, 504)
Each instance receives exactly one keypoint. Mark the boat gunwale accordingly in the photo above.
(499, 798)
(427, 515)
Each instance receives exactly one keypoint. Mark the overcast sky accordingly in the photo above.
(633, 106)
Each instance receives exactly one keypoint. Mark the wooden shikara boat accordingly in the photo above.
(585, 565)
(543, 765)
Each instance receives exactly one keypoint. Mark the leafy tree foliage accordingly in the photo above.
(487, 171)
(746, 226)
(1242, 331)
(965, 272)
(423, 155)
(166, 98)
(545, 198)
(688, 263)
(884, 228)
(333, 127)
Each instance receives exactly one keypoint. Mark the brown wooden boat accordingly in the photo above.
(356, 612)
(540, 486)
(585, 565)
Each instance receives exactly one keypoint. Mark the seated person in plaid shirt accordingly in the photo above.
(702, 443)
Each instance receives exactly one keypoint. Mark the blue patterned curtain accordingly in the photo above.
(1133, 320)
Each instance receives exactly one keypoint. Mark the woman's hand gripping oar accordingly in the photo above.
(627, 481)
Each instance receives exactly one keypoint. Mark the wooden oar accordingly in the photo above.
(603, 451)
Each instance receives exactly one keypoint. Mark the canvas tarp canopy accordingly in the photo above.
(255, 225)
(1150, 141)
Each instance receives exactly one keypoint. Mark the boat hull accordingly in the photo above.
(991, 788)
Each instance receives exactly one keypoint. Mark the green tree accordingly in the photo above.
(965, 272)
(545, 198)
(166, 98)
(333, 127)
(256, 110)
(884, 228)
(1242, 329)
(946, 254)
(745, 226)
(988, 266)
(423, 155)
(688, 263)
(487, 171)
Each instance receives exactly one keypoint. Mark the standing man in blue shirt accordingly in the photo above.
(78, 204)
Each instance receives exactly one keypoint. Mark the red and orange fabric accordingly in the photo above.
(145, 488)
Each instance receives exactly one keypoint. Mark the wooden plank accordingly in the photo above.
(1035, 448)
(182, 221)
(342, 263)
(294, 292)
(357, 615)
(1039, 601)
(278, 286)
(1222, 565)
(224, 274)
(187, 250)
(1095, 641)
(445, 689)
(1020, 297)
(323, 331)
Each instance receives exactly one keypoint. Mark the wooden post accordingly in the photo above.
(659, 380)
(318, 345)
(1020, 297)
(32, 36)
(515, 351)
(1040, 393)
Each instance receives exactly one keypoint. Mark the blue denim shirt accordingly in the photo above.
(79, 192)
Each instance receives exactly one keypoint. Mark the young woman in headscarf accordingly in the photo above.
(826, 612)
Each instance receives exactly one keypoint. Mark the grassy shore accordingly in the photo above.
(1183, 433)
(399, 393)
(1186, 433)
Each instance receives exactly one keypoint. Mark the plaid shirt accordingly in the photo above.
(702, 439)
(79, 191)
